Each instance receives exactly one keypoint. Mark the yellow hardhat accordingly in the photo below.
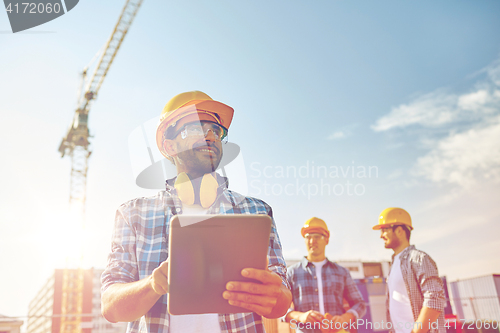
(191, 106)
(393, 216)
(315, 225)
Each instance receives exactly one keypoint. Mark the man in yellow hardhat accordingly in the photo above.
(134, 284)
(319, 287)
(415, 298)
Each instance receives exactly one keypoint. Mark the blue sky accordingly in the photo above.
(409, 89)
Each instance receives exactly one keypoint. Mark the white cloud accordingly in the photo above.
(462, 158)
(438, 108)
(431, 109)
(471, 149)
(473, 101)
(494, 72)
(337, 135)
(482, 101)
(343, 132)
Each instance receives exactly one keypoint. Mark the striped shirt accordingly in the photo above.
(337, 285)
(423, 284)
(140, 244)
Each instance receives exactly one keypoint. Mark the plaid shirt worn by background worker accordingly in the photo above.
(337, 285)
(140, 244)
(423, 284)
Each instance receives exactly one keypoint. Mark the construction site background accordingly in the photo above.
(66, 305)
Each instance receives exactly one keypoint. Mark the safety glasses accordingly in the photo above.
(201, 130)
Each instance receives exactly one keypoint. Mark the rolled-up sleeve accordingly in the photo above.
(122, 262)
(431, 284)
(277, 263)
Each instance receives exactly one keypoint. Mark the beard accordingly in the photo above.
(391, 244)
(200, 162)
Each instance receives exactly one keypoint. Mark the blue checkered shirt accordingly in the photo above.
(140, 244)
(337, 285)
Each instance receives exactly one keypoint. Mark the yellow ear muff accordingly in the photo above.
(184, 188)
(208, 190)
(186, 193)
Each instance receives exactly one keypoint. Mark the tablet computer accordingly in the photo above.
(206, 252)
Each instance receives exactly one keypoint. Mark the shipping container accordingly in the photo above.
(477, 298)
(448, 311)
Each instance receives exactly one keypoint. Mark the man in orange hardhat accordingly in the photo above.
(319, 287)
(415, 290)
(134, 284)
(184, 114)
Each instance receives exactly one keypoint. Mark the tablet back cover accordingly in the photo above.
(205, 255)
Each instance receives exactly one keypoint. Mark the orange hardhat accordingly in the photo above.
(315, 225)
(188, 107)
(393, 216)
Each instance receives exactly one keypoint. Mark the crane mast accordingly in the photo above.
(76, 144)
(76, 141)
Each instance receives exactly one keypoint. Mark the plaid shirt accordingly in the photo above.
(423, 284)
(140, 244)
(337, 285)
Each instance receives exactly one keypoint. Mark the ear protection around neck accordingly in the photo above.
(200, 190)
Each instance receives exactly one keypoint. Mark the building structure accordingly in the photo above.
(10, 325)
(65, 304)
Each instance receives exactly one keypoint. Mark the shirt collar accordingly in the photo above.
(405, 252)
(304, 262)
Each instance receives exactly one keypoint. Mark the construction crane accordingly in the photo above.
(76, 141)
(76, 144)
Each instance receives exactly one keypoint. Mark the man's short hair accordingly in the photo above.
(405, 228)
